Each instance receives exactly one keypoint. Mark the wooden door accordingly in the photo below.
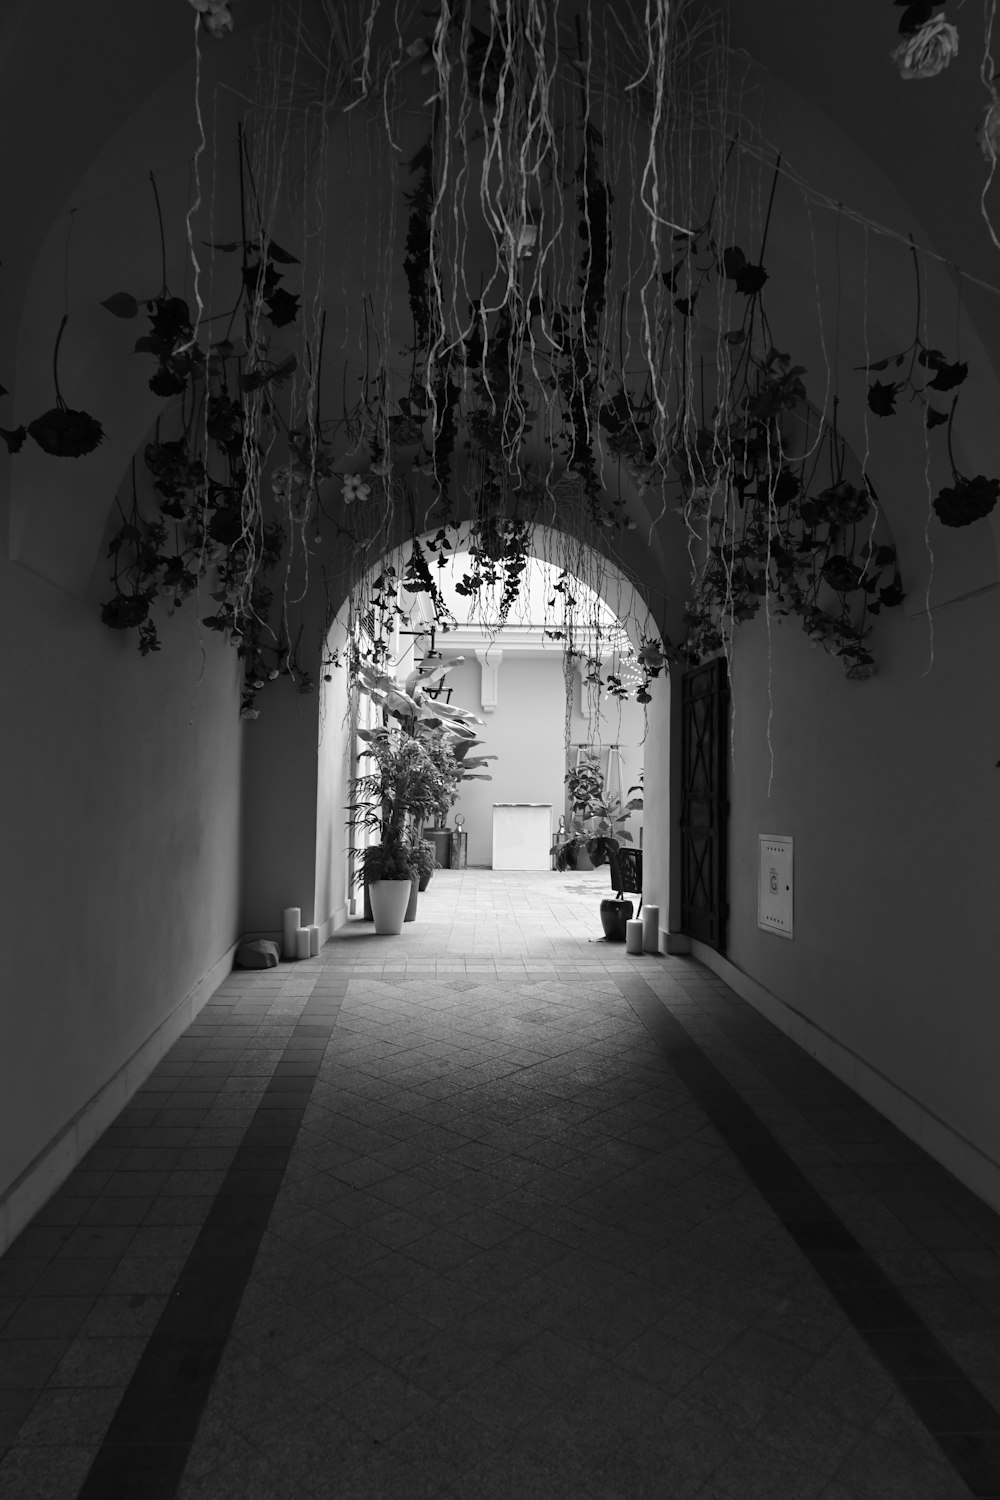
(704, 805)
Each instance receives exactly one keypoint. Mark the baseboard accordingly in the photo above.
(979, 1172)
(336, 921)
(50, 1168)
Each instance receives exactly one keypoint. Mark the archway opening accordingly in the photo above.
(553, 671)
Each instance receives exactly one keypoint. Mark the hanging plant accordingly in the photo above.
(567, 366)
(61, 431)
(967, 500)
(206, 479)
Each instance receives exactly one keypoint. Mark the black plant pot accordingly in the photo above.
(614, 915)
(411, 905)
(441, 839)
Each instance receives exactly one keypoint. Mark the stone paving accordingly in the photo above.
(494, 1209)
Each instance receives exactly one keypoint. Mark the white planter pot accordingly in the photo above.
(389, 900)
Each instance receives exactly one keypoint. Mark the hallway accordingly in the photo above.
(494, 1211)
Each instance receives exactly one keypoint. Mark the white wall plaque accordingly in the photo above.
(774, 884)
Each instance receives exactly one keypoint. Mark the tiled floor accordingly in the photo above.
(492, 1209)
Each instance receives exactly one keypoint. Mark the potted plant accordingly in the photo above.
(388, 874)
(392, 800)
(598, 825)
(444, 729)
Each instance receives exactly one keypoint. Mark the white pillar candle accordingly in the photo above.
(313, 940)
(291, 920)
(633, 937)
(651, 929)
(302, 942)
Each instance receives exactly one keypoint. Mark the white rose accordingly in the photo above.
(928, 51)
(988, 133)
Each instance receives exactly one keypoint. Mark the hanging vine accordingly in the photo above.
(579, 358)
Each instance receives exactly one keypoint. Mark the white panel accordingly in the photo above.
(522, 835)
(774, 885)
(489, 660)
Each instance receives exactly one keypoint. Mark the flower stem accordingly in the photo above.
(55, 361)
(916, 337)
(770, 205)
(951, 423)
(163, 241)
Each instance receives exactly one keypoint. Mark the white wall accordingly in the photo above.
(525, 732)
(121, 777)
(890, 791)
(121, 800)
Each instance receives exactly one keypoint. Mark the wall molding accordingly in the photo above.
(53, 1164)
(965, 1160)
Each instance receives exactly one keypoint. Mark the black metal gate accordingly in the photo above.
(704, 805)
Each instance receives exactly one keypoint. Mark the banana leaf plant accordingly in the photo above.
(443, 732)
(412, 704)
(427, 717)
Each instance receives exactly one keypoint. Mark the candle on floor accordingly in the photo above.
(302, 942)
(291, 920)
(651, 929)
(313, 940)
(633, 937)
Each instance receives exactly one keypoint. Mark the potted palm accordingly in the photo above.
(392, 800)
(387, 872)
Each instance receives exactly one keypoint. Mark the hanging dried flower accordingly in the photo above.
(61, 431)
(422, 50)
(65, 433)
(929, 51)
(215, 15)
(967, 500)
(125, 611)
(354, 488)
(988, 134)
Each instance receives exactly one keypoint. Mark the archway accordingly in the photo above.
(577, 720)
